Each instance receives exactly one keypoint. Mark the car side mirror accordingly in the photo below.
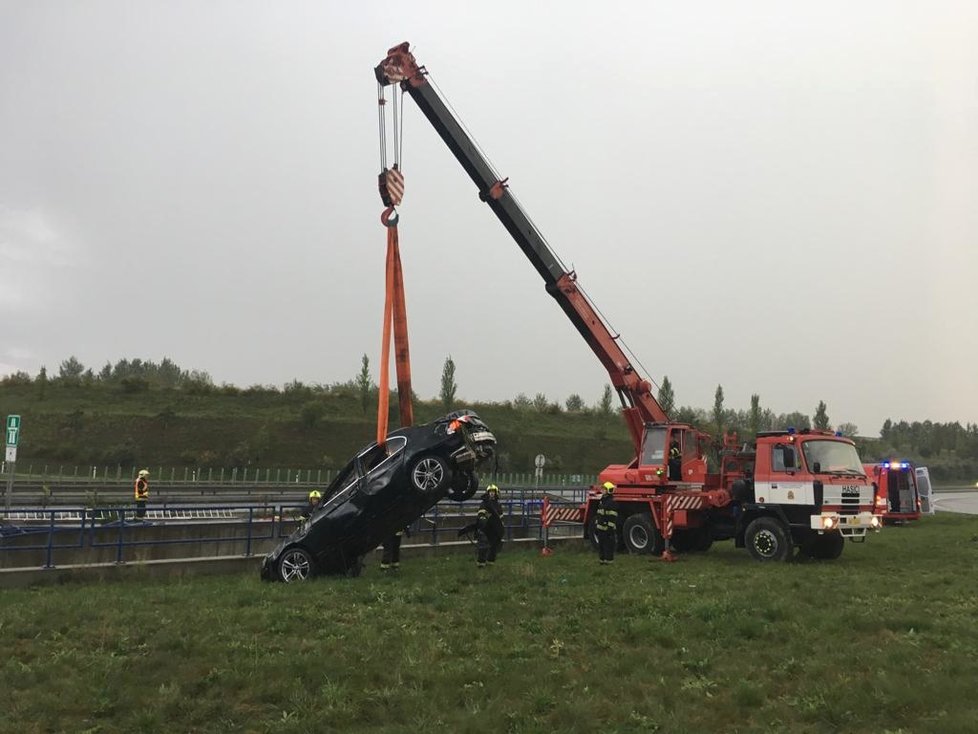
(816, 468)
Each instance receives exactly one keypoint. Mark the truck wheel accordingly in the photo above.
(430, 474)
(767, 539)
(641, 535)
(688, 540)
(829, 546)
(592, 532)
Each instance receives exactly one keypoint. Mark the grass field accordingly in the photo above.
(884, 640)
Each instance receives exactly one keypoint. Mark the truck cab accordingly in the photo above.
(808, 489)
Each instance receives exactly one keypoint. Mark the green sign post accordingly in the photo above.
(13, 437)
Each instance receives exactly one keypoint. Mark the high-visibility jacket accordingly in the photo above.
(606, 516)
(140, 489)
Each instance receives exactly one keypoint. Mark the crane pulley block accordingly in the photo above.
(391, 185)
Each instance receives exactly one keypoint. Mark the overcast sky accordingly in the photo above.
(781, 198)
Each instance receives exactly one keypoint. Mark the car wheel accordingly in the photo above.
(641, 535)
(430, 474)
(767, 539)
(296, 564)
(464, 487)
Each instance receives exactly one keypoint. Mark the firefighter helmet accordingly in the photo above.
(492, 489)
(608, 487)
(143, 473)
(315, 494)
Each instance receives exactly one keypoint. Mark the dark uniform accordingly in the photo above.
(675, 463)
(391, 559)
(140, 492)
(606, 524)
(489, 527)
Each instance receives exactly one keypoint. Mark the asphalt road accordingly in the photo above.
(966, 502)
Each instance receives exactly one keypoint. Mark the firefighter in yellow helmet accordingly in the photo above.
(606, 523)
(140, 491)
(315, 500)
(489, 527)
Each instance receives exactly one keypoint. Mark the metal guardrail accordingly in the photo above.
(51, 531)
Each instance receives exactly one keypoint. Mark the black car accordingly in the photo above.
(380, 491)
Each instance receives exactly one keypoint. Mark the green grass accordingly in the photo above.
(884, 640)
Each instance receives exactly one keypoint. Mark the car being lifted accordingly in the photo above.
(384, 488)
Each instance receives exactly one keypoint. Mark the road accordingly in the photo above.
(966, 502)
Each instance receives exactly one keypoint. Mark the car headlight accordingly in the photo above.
(828, 522)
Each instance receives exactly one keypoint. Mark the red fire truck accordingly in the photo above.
(785, 489)
(897, 495)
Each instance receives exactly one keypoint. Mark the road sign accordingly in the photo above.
(13, 429)
(11, 454)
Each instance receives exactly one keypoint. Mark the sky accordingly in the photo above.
(779, 198)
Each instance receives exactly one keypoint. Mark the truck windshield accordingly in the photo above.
(833, 457)
(654, 448)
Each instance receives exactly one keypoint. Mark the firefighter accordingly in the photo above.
(391, 559)
(140, 492)
(606, 524)
(675, 462)
(315, 498)
(489, 527)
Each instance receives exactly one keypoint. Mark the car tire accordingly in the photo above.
(767, 539)
(641, 535)
(430, 474)
(464, 487)
(295, 564)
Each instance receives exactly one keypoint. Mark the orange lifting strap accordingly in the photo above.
(395, 315)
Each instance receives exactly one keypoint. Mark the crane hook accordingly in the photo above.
(386, 219)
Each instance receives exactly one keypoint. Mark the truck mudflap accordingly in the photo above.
(849, 526)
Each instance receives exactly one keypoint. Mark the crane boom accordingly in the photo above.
(635, 392)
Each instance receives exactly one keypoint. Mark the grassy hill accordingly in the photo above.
(300, 428)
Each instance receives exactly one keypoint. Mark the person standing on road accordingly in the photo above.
(489, 527)
(391, 559)
(606, 524)
(140, 492)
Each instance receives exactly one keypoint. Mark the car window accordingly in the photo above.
(377, 457)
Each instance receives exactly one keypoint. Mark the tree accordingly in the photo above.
(754, 417)
(574, 403)
(448, 384)
(848, 429)
(667, 398)
(821, 419)
(540, 403)
(521, 403)
(718, 410)
(363, 383)
(604, 407)
(71, 370)
(42, 383)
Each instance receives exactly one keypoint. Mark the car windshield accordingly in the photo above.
(833, 457)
